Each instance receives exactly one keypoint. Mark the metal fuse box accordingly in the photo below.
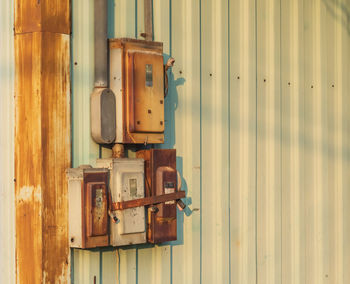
(161, 178)
(137, 80)
(88, 207)
(126, 183)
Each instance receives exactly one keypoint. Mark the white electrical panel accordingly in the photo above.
(126, 183)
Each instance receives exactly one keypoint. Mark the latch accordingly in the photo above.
(152, 200)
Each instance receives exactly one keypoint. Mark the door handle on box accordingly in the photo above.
(147, 201)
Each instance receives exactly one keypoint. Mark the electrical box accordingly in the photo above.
(88, 207)
(126, 183)
(103, 107)
(161, 178)
(137, 80)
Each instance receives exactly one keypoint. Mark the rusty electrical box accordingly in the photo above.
(143, 191)
(137, 80)
(161, 179)
(88, 207)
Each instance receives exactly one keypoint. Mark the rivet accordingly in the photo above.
(149, 111)
(238, 77)
(161, 123)
(115, 78)
(138, 122)
(180, 72)
(333, 86)
(72, 240)
(75, 63)
(264, 80)
(288, 83)
(210, 74)
(312, 86)
(161, 102)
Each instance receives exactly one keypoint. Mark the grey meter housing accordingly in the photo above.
(103, 116)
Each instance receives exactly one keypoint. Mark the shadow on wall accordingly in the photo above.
(340, 11)
(111, 17)
(171, 104)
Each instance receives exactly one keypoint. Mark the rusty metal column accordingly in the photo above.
(42, 140)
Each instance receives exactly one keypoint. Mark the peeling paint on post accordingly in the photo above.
(42, 142)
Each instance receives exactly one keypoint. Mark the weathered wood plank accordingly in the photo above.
(42, 153)
(42, 16)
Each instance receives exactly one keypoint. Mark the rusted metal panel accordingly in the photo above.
(140, 118)
(42, 153)
(96, 231)
(161, 223)
(42, 16)
(28, 183)
(88, 207)
(147, 82)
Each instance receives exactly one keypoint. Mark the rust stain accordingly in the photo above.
(160, 168)
(42, 16)
(42, 153)
(28, 205)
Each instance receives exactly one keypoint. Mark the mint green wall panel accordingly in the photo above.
(243, 144)
(215, 208)
(268, 142)
(257, 111)
(7, 190)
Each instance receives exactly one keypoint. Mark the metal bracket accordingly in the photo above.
(147, 201)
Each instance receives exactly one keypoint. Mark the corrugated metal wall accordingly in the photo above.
(7, 211)
(258, 113)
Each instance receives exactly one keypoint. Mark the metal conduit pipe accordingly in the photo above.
(101, 44)
(102, 101)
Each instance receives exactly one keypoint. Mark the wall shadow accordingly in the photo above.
(340, 12)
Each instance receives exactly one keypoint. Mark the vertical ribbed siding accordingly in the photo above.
(274, 154)
(343, 117)
(268, 142)
(292, 90)
(7, 211)
(243, 141)
(315, 186)
(215, 142)
(185, 117)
